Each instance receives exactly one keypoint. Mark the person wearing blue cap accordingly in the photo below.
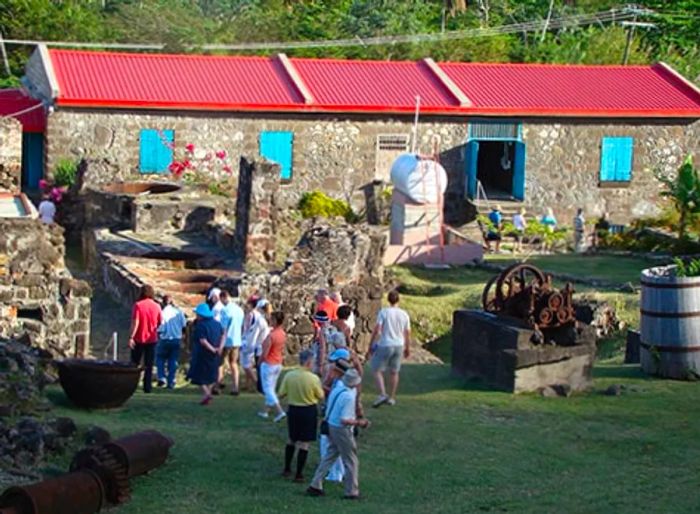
(207, 345)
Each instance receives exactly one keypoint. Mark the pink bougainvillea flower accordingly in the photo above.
(187, 164)
(221, 154)
(43, 183)
(189, 148)
(227, 169)
(208, 157)
(56, 195)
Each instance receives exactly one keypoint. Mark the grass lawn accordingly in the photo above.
(616, 269)
(447, 446)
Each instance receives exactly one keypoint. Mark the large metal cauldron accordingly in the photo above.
(95, 384)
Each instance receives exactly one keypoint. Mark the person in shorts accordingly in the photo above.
(303, 391)
(393, 335)
(232, 323)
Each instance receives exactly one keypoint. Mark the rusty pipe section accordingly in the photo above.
(80, 492)
(98, 475)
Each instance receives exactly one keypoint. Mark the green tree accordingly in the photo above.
(684, 192)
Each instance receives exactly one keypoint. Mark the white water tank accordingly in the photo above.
(422, 180)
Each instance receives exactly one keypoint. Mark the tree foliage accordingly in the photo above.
(684, 192)
(185, 25)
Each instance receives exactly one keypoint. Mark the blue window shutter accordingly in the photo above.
(607, 159)
(616, 159)
(623, 159)
(277, 147)
(155, 155)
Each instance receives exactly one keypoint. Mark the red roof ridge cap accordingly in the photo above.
(157, 54)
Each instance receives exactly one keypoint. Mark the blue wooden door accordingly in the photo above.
(32, 159)
(276, 146)
(472, 159)
(519, 172)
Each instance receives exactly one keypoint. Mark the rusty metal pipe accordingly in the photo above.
(140, 452)
(80, 492)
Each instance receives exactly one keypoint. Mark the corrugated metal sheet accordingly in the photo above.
(13, 100)
(233, 83)
(373, 85)
(545, 89)
(150, 80)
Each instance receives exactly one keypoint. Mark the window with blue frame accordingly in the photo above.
(155, 150)
(616, 159)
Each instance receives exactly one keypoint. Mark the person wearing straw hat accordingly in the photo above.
(340, 418)
(214, 302)
(207, 343)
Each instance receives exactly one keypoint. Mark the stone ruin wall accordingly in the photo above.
(10, 154)
(345, 258)
(39, 299)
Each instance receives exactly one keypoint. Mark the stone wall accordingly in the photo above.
(256, 212)
(345, 258)
(10, 154)
(338, 154)
(39, 299)
(563, 166)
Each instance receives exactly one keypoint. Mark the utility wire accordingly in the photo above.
(531, 26)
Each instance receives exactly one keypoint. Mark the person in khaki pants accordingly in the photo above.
(341, 419)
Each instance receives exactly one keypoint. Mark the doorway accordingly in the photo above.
(494, 168)
(499, 166)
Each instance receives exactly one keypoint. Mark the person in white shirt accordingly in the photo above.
(340, 417)
(393, 330)
(255, 331)
(170, 338)
(47, 210)
(232, 323)
(520, 224)
(214, 301)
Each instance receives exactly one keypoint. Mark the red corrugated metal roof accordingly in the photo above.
(373, 85)
(14, 100)
(233, 83)
(183, 81)
(579, 90)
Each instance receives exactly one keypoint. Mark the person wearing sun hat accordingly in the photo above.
(340, 416)
(207, 343)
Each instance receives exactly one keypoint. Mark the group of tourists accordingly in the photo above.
(494, 233)
(329, 374)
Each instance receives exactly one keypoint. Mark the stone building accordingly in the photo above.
(544, 135)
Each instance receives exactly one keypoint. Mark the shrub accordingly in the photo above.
(687, 269)
(65, 172)
(319, 204)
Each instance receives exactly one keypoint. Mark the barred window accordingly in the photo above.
(389, 147)
(485, 130)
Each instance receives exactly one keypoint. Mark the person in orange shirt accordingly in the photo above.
(271, 366)
(326, 304)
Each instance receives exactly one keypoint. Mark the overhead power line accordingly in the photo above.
(580, 20)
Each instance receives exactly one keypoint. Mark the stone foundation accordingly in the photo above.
(39, 299)
(499, 352)
(10, 154)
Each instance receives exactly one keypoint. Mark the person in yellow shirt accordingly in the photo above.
(303, 391)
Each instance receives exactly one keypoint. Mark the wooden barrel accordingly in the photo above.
(670, 324)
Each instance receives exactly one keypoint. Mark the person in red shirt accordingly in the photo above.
(271, 366)
(146, 317)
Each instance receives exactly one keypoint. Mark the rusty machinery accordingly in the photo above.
(98, 475)
(524, 292)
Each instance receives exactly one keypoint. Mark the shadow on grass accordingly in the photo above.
(57, 397)
(618, 371)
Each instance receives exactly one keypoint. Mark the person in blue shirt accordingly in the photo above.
(170, 338)
(232, 322)
(341, 418)
(550, 222)
(494, 230)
